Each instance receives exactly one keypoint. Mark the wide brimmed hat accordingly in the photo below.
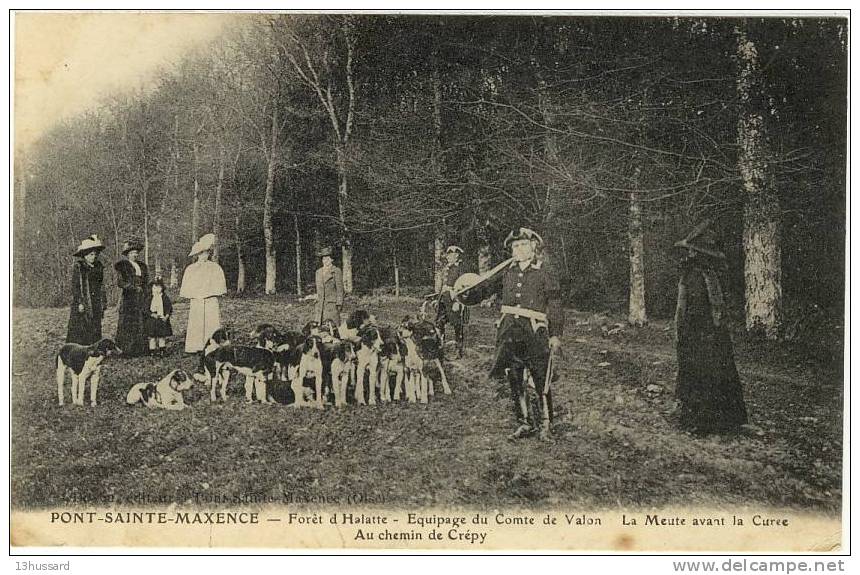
(91, 244)
(522, 234)
(697, 241)
(131, 245)
(454, 250)
(323, 252)
(204, 244)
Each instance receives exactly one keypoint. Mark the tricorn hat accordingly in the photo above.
(698, 242)
(323, 252)
(522, 234)
(131, 245)
(91, 244)
(204, 244)
(454, 250)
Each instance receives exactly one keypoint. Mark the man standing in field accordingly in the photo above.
(528, 332)
(329, 282)
(450, 310)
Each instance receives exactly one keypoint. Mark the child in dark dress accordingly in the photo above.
(157, 323)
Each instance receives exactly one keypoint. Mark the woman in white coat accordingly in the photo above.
(202, 283)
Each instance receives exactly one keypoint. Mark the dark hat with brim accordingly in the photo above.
(522, 234)
(91, 244)
(131, 246)
(324, 252)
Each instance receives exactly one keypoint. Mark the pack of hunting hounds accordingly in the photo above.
(357, 362)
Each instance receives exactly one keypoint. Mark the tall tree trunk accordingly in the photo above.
(396, 267)
(195, 206)
(346, 241)
(174, 274)
(635, 234)
(438, 168)
(551, 157)
(219, 187)
(438, 259)
(298, 254)
(271, 259)
(159, 244)
(762, 250)
(145, 227)
(240, 258)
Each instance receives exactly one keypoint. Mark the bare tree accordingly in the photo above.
(762, 263)
(315, 66)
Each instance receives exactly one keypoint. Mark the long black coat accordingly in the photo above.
(708, 387)
(85, 327)
(130, 329)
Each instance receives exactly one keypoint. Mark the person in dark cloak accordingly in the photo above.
(708, 386)
(132, 277)
(88, 294)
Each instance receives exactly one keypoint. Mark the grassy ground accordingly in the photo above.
(616, 443)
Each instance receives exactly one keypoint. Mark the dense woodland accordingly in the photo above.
(389, 137)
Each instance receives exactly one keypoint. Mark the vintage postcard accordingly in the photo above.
(556, 282)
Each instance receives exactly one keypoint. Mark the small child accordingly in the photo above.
(157, 322)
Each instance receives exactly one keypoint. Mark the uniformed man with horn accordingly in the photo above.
(528, 331)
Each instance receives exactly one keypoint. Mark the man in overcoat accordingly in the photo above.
(329, 282)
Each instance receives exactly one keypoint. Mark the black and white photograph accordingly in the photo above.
(500, 281)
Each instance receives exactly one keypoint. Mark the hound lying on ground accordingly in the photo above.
(165, 394)
(83, 363)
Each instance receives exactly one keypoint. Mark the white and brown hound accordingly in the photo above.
(164, 394)
(310, 366)
(219, 338)
(341, 369)
(423, 348)
(253, 362)
(83, 362)
(368, 364)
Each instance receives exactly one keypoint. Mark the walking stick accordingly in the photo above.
(547, 414)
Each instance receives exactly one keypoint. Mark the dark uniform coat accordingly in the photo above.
(130, 330)
(708, 385)
(85, 327)
(523, 342)
(519, 339)
(445, 313)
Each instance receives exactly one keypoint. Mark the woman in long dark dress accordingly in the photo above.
(133, 279)
(88, 294)
(708, 388)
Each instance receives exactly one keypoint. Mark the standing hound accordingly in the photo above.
(390, 363)
(424, 343)
(165, 394)
(219, 338)
(368, 363)
(310, 366)
(83, 363)
(253, 362)
(341, 370)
